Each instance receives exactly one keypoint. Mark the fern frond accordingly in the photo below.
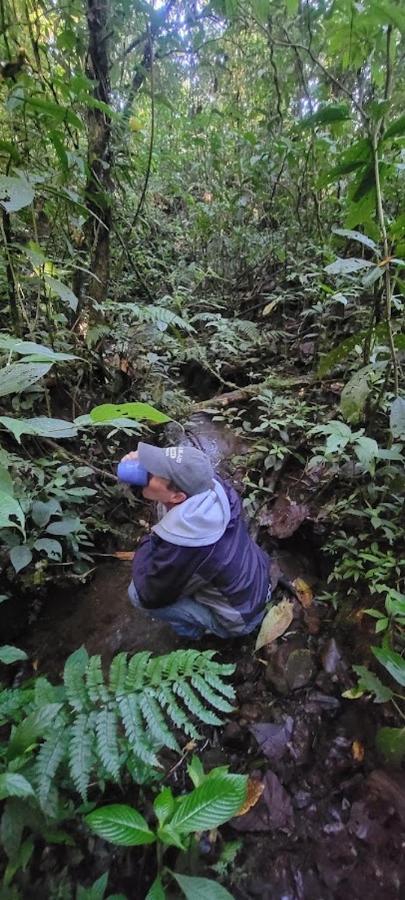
(118, 673)
(107, 742)
(216, 700)
(73, 675)
(176, 713)
(135, 729)
(81, 756)
(49, 757)
(221, 686)
(183, 690)
(96, 688)
(156, 721)
(137, 667)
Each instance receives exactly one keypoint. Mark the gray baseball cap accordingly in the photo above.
(188, 468)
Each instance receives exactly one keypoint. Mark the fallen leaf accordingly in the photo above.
(255, 789)
(273, 738)
(358, 751)
(275, 623)
(273, 809)
(303, 591)
(123, 554)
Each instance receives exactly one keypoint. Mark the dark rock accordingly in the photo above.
(300, 669)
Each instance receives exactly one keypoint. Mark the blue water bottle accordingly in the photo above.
(131, 471)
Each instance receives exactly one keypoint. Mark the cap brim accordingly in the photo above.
(154, 460)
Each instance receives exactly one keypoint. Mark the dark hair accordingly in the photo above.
(172, 486)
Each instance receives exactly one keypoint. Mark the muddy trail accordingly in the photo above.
(330, 817)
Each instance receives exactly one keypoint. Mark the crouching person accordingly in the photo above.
(199, 570)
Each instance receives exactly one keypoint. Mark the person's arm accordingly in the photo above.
(162, 570)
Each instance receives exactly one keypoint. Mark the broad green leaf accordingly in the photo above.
(52, 110)
(366, 450)
(392, 662)
(389, 14)
(69, 525)
(211, 804)
(19, 376)
(195, 770)
(108, 411)
(53, 549)
(9, 654)
(396, 128)
(355, 236)
(261, 10)
(36, 725)
(334, 112)
(42, 511)
(96, 891)
(195, 888)
(390, 743)
(15, 193)
(120, 824)
(6, 483)
(63, 291)
(10, 510)
(30, 348)
(20, 557)
(163, 805)
(347, 266)
(354, 395)
(14, 785)
(371, 684)
(397, 419)
(40, 426)
(156, 891)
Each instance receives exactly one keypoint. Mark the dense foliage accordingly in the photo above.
(197, 197)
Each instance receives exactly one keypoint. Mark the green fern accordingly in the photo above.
(81, 756)
(103, 724)
(107, 741)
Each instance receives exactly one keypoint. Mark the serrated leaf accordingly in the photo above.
(120, 824)
(195, 888)
(81, 755)
(73, 677)
(50, 755)
(275, 623)
(10, 654)
(211, 804)
(107, 743)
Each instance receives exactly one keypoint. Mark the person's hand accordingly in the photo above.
(132, 455)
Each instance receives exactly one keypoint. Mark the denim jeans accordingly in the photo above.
(190, 619)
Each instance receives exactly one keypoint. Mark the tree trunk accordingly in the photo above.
(99, 184)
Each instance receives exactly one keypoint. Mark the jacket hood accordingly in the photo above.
(198, 522)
